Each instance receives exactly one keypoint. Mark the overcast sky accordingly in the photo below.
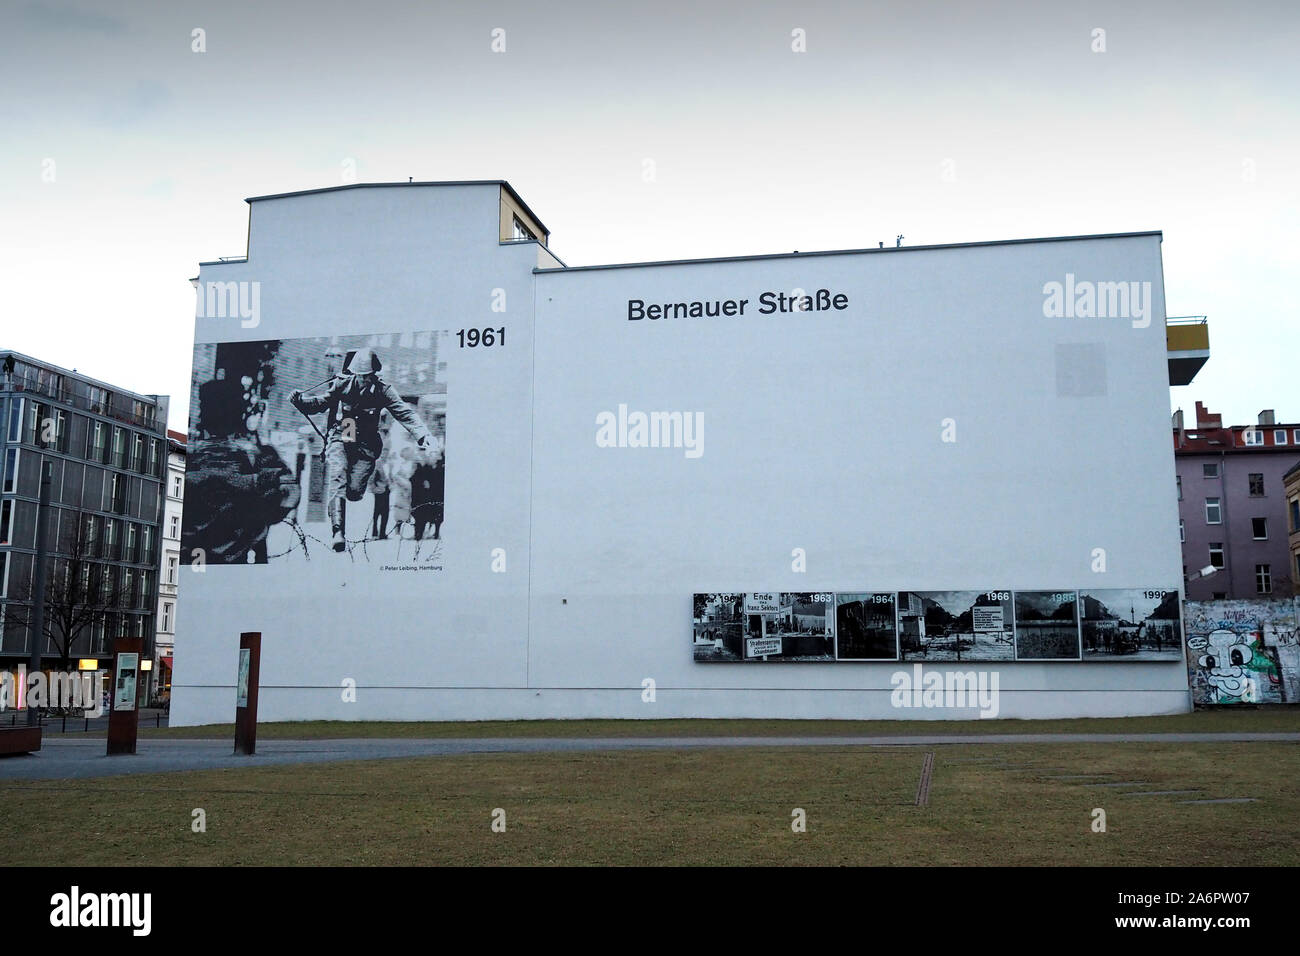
(943, 121)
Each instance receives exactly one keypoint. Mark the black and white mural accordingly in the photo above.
(764, 626)
(866, 626)
(1047, 626)
(998, 625)
(1130, 624)
(956, 625)
(318, 449)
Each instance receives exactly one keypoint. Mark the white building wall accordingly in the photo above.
(821, 432)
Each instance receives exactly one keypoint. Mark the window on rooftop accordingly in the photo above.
(1279, 436)
(1252, 436)
(521, 231)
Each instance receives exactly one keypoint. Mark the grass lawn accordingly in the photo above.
(1206, 721)
(988, 804)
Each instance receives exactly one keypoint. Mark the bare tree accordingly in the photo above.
(83, 584)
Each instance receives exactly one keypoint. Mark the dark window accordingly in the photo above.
(15, 418)
(1210, 471)
(60, 436)
(1216, 553)
(91, 537)
(97, 442)
(1263, 579)
(36, 415)
(1259, 528)
(117, 494)
(1256, 485)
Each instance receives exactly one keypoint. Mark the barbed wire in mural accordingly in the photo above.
(423, 548)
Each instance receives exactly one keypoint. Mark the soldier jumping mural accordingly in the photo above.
(354, 400)
(268, 482)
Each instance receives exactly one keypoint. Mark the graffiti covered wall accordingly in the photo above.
(1243, 652)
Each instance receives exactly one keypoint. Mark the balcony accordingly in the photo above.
(1187, 341)
(64, 395)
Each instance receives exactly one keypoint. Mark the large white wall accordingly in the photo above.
(822, 431)
(375, 261)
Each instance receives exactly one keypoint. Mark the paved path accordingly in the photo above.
(63, 758)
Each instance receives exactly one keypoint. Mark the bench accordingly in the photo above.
(20, 740)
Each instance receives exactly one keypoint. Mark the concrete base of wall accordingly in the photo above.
(205, 705)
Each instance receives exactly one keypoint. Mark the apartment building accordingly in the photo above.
(1233, 505)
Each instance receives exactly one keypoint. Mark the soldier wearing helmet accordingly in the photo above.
(353, 443)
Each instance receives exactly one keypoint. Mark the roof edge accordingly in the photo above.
(853, 252)
(443, 182)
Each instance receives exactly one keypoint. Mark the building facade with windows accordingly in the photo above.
(105, 449)
(169, 569)
(1233, 505)
(1292, 486)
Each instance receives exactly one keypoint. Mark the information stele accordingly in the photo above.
(246, 684)
(123, 719)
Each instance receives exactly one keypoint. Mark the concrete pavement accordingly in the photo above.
(83, 757)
